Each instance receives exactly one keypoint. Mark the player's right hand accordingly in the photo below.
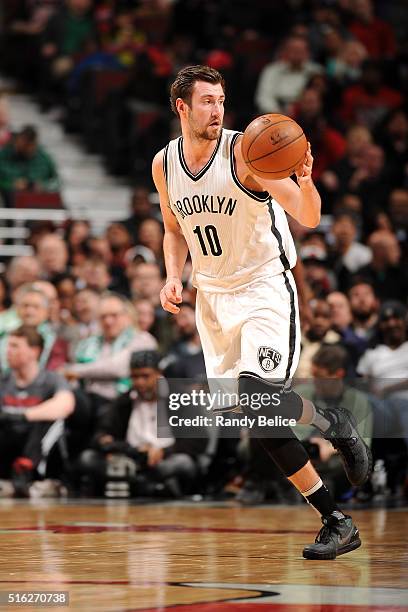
(170, 295)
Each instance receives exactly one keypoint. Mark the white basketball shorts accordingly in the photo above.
(254, 331)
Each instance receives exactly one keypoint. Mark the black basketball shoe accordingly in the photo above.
(338, 536)
(354, 452)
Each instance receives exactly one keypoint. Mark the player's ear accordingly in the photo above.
(180, 105)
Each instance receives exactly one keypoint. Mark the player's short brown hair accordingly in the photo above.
(182, 86)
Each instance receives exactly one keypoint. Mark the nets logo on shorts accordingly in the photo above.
(268, 358)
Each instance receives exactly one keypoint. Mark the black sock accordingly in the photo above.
(320, 498)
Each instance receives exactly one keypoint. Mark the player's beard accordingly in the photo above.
(210, 132)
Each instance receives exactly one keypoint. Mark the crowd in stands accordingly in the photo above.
(83, 338)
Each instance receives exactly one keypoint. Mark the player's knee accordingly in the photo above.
(269, 397)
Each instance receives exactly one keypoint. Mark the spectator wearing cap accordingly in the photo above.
(385, 368)
(102, 360)
(25, 165)
(388, 277)
(129, 427)
(386, 365)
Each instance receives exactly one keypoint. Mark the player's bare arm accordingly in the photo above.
(174, 245)
(301, 201)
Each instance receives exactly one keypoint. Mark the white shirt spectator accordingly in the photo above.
(142, 426)
(384, 363)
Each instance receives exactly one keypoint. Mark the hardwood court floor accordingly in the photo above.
(116, 556)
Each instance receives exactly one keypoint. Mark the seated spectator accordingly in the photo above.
(33, 310)
(145, 314)
(348, 255)
(141, 208)
(345, 68)
(66, 35)
(52, 254)
(393, 138)
(76, 236)
(129, 427)
(65, 284)
(375, 34)
(5, 132)
(385, 273)
(33, 406)
(385, 368)
(364, 307)
(83, 319)
(102, 361)
(4, 294)
(146, 282)
(20, 270)
(388, 360)
(281, 82)
(335, 181)
(328, 144)
(318, 333)
(120, 242)
(151, 236)
(94, 274)
(316, 272)
(398, 207)
(185, 358)
(371, 182)
(342, 320)
(330, 389)
(368, 101)
(25, 165)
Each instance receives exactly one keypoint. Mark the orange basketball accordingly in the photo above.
(273, 146)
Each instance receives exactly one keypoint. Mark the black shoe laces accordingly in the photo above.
(324, 535)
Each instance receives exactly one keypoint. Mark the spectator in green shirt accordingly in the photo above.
(329, 388)
(25, 165)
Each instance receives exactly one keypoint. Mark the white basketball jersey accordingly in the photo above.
(234, 235)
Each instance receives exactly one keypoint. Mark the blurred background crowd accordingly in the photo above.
(83, 338)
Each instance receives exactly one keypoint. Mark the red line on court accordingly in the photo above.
(148, 528)
(253, 607)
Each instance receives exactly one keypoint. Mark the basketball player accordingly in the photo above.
(242, 253)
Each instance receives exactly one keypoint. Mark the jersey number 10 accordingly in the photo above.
(213, 241)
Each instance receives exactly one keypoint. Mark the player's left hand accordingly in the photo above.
(304, 172)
